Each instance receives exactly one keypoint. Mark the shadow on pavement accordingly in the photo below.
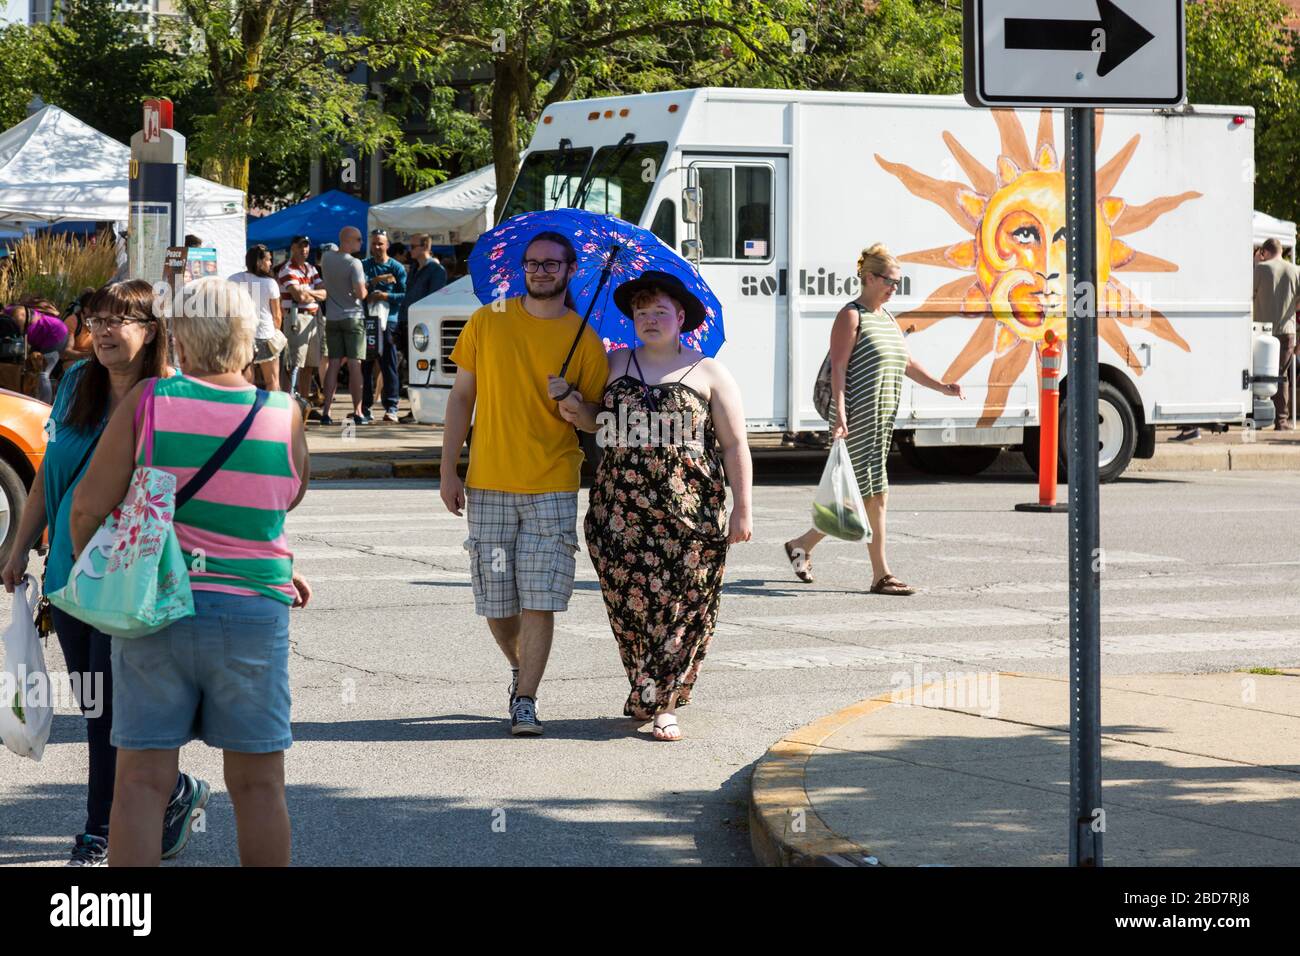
(1003, 800)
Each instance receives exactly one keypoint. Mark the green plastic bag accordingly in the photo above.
(131, 579)
(837, 507)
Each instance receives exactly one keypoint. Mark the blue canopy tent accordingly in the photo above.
(320, 218)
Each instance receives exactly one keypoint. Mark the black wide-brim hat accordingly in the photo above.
(670, 284)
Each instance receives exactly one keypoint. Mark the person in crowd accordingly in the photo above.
(1276, 298)
(264, 290)
(386, 282)
(129, 346)
(869, 360)
(106, 232)
(426, 277)
(46, 336)
(301, 295)
(345, 325)
(222, 674)
(81, 340)
(657, 526)
(521, 493)
(400, 252)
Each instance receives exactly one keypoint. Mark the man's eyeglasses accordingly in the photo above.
(112, 323)
(549, 266)
(893, 283)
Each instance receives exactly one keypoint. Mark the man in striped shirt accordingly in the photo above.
(301, 295)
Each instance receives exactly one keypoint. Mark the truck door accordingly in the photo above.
(744, 259)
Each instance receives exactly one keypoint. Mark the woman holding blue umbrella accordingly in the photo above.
(657, 526)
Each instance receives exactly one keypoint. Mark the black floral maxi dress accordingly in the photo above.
(656, 529)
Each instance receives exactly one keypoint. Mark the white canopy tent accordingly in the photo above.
(54, 168)
(1267, 227)
(458, 210)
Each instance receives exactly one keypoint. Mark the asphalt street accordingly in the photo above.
(402, 754)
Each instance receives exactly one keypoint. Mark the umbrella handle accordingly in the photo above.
(604, 276)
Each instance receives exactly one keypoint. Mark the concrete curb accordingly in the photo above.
(784, 829)
(1247, 457)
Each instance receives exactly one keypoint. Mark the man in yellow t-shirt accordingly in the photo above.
(521, 493)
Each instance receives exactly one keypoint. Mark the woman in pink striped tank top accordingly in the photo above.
(221, 676)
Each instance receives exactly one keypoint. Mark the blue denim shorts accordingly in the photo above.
(221, 676)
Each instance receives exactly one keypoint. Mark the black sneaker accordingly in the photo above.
(178, 819)
(326, 420)
(362, 419)
(1187, 434)
(88, 850)
(523, 718)
(514, 686)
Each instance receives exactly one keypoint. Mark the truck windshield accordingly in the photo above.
(548, 179)
(621, 179)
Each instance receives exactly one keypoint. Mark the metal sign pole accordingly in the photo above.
(1086, 820)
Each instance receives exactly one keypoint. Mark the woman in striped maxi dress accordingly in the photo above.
(869, 360)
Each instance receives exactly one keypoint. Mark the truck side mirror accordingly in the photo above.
(691, 200)
(692, 250)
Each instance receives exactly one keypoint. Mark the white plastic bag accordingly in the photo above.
(837, 508)
(26, 709)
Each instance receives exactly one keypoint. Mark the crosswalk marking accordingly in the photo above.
(972, 652)
(976, 617)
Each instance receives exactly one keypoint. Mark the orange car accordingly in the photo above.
(22, 449)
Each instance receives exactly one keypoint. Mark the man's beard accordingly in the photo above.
(556, 291)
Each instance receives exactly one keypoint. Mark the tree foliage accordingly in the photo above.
(1243, 54)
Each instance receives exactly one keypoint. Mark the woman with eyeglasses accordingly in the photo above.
(869, 360)
(130, 345)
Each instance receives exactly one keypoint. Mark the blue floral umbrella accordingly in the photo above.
(610, 252)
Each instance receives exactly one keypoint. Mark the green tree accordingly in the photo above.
(1243, 54)
(541, 53)
(883, 46)
(279, 80)
(24, 60)
(102, 67)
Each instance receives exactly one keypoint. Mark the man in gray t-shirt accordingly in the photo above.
(1277, 294)
(345, 322)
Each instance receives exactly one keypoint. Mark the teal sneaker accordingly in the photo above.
(178, 820)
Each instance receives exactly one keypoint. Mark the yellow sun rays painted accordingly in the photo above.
(1015, 258)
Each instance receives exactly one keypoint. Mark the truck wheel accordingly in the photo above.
(1117, 435)
(963, 460)
(13, 498)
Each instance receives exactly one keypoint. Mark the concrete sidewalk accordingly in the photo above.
(973, 770)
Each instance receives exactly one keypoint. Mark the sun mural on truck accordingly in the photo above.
(1015, 260)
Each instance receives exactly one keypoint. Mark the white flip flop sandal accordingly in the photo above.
(800, 563)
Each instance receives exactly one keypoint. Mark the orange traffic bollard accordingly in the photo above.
(1049, 398)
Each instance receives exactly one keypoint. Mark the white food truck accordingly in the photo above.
(774, 193)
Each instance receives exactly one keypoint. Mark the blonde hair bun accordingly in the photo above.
(876, 258)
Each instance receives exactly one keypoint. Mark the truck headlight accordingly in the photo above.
(420, 337)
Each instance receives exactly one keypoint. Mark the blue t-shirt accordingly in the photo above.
(64, 455)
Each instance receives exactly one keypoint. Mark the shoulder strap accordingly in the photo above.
(221, 455)
(689, 370)
(627, 366)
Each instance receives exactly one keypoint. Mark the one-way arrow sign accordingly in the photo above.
(1116, 36)
(1074, 52)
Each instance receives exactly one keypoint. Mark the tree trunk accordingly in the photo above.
(510, 76)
